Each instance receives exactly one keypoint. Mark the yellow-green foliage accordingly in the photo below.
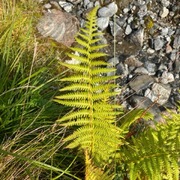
(155, 153)
(152, 154)
(88, 93)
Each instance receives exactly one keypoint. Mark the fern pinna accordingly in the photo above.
(88, 93)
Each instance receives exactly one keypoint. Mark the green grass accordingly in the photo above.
(31, 144)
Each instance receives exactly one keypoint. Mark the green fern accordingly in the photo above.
(88, 93)
(155, 153)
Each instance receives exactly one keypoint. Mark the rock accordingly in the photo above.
(47, 6)
(164, 31)
(137, 36)
(130, 19)
(165, 3)
(141, 70)
(102, 23)
(150, 51)
(151, 67)
(133, 61)
(126, 10)
(145, 103)
(141, 82)
(158, 43)
(177, 66)
(142, 11)
(164, 13)
(61, 26)
(174, 55)
(108, 11)
(75, 2)
(168, 48)
(128, 30)
(113, 61)
(159, 93)
(166, 77)
(176, 43)
(66, 6)
(122, 70)
(115, 29)
(121, 21)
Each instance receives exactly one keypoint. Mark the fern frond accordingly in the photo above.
(82, 87)
(102, 70)
(96, 55)
(78, 58)
(154, 155)
(73, 103)
(76, 67)
(94, 173)
(89, 92)
(77, 78)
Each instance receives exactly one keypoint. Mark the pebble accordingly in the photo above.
(141, 70)
(166, 77)
(164, 13)
(47, 6)
(158, 43)
(113, 61)
(133, 61)
(151, 67)
(137, 37)
(159, 93)
(174, 55)
(108, 11)
(176, 43)
(141, 82)
(165, 3)
(66, 6)
(168, 48)
(102, 23)
(164, 31)
(150, 51)
(122, 70)
(128, 30)
(115, 29)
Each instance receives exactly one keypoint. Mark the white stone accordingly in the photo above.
(102, 23)
(164, 31)
(164, 12)
(108, 11)
(47, 6)
(125, 10)
(166, 77)
(150, 51)
(128, 30)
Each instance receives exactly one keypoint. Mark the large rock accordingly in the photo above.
(60, 26)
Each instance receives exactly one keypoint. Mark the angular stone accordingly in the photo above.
(102, 23)
(108, 11)
(159, 93)
(164, 13)
(133, 61)
(158, 43)
(141, 102)
(166, 77)
(141, 82)
(128, 30)
(61, 26)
